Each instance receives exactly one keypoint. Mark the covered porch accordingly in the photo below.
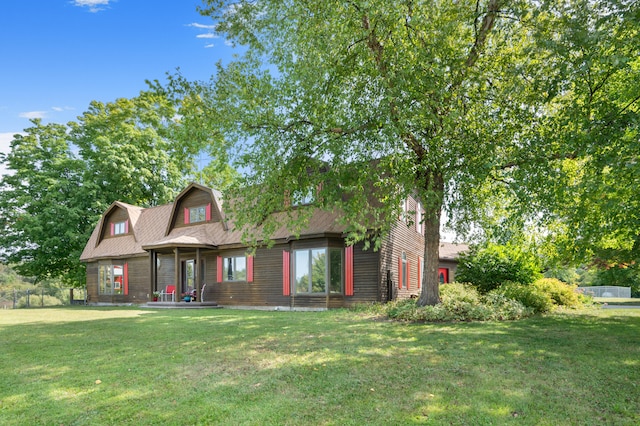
(177, 273)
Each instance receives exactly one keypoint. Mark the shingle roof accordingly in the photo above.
(149, 231)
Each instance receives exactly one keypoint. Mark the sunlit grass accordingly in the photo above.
(88, 366)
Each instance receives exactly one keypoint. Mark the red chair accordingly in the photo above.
(169, 291)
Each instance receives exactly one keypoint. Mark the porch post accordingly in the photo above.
(198, 284)
(153, 281)
(177, 274)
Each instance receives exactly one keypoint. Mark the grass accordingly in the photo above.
(94, 366)
(620, 301)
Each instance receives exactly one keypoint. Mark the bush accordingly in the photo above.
(460, 302)
(490, 266)
(561, 293)
(529, 295)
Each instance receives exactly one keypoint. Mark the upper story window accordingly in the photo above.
(119, 228)
(300, 198)
(197, 214)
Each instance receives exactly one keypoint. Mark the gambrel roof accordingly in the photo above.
(155, 228)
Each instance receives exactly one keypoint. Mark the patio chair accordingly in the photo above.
(168, 293)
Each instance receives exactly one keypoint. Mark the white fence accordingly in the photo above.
(606, 291)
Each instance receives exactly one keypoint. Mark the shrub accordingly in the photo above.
(529, 295)
(561, 293)
(504, 308)
(460, 302)
(490, 266)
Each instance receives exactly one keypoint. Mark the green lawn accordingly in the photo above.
(105, 366)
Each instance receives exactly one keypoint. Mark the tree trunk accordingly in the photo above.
(430, 294)
(433, 201)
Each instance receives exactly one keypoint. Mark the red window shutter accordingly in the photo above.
(285, 273)
(186, 216)
(125, 272)
(348, 291)
(399, 272)
(408, 269)
(443, 274)
(126, 226)
(113, 229)
(208, 212)
(249, 269)
(219, 270)
(419, 271)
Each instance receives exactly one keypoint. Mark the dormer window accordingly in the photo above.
(119, 228)
(197, 214)
(301, 198)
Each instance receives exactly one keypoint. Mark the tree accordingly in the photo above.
(64, 177)
(45, 217)
(488, 267)
(450, 98)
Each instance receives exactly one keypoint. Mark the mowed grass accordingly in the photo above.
(107, 366)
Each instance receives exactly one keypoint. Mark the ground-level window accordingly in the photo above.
(111, 279)
(234, 268)
(318, 270)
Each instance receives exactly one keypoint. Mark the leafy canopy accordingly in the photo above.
(465, 104)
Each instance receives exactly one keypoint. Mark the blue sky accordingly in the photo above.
(59, 55)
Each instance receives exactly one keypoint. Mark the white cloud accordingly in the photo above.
(61, 109)
(33, 114)
(209, 46)
(207, 35)
(93, 5)
(206, 27)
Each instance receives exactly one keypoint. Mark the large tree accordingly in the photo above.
(45, 216)
(63, 177)
(450, 98)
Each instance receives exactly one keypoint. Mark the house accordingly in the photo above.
(189, 245)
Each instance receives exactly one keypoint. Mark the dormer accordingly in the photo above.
(196, 205)
(118, 221)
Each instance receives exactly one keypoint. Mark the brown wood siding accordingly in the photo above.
(139, 285)
(365, 276)
(92, 282)
(402, 237)
(266, 288)
(116, 216)
(138, 279)
(166, 271)
(195, 198)
(451, 266)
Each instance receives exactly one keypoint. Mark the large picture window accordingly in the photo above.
(234, 268)
(318, 271)
(111, 279)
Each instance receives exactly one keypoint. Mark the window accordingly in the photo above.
(301, 198)
(404, 270)
(197, 214)
(119, 228)
(419, 218)
(234, 268)
(315, 273)
(112, 279)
